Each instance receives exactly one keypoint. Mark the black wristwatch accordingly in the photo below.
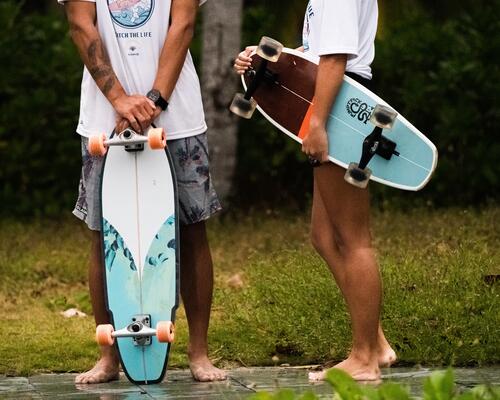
(155, 96)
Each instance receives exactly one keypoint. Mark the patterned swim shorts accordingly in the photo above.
(197, 198)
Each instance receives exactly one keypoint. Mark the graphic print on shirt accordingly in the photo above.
(307, 26)
(131, 14)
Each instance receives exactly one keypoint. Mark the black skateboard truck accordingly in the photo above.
(374, 144)
(269, 50)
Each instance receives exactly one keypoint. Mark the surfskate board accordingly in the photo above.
(140, 250)
(366, 135)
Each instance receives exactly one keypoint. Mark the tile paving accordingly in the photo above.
(242, 383)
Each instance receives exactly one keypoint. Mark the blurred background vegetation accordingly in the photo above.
(437, 63)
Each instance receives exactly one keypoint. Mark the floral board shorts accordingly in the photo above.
(197, 198)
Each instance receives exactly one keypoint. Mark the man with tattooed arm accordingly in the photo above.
(138, 70)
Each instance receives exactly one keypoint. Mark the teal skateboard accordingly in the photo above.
(140, 250)
(366, 136)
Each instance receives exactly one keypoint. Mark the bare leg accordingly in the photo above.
(107, 368)
(340, 232)
(324, 240)
(196, 290)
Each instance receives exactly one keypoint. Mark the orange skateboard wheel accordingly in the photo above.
(96, 145)
(103, 335)
(157, 138)
(165, 331)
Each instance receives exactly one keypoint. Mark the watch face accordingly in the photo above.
(154, 95)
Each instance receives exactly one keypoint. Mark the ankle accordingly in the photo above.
(366, 357)
(197, 354)
(109, 356)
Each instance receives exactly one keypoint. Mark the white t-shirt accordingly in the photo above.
(343, 27)
(133, 33)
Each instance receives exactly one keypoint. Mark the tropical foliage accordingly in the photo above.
(436, 63)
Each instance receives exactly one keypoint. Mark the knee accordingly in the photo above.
(320, 242)
(350, 242)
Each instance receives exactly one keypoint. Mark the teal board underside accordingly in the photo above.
(348, 127)
(159, 285)
(159, 288)
(124, 295)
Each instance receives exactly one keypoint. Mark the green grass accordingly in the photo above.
(438, 310)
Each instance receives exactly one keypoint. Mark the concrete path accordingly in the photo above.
(242, 383)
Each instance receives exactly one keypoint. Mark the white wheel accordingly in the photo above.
(269, 49)
(383, 117)
(242, 107)
(358, 177)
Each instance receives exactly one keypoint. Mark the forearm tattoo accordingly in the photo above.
(99, 65)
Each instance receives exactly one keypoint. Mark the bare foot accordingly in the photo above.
(359, 371)
(104, 371)
(386, 357)
(204, 371)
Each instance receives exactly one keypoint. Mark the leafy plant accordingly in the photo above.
(439, 386)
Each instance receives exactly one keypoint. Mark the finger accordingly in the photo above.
(250, 49)
(143, 119)
(244, 58)
(134, 123)
(122, 124)
(140, 112)
(151, 105)
(242, 63)
(240, 70)
(148, 111)
(143, 101)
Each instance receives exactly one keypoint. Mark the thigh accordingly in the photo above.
(346, 207)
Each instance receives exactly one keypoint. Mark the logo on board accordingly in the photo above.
(131, 14)
(358, 109)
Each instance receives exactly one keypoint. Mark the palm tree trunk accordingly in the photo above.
(221, 44)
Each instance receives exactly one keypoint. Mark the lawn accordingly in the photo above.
(439, 309)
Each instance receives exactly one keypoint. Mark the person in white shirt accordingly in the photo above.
(138, 70)
(342, 33)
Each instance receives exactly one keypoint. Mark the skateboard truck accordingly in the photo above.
(374, 144)
(269, 50)
(139, 330)
(129, 139)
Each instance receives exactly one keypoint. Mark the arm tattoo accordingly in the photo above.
(100, 66)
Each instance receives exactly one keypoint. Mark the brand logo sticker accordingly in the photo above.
(359, 109)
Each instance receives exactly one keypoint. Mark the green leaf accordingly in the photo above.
(393, 391)
(309, 396)
(439, 386)
(345, 386)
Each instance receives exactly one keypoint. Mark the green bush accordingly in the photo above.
(39, 87)
(444, 77)
(442, 74)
